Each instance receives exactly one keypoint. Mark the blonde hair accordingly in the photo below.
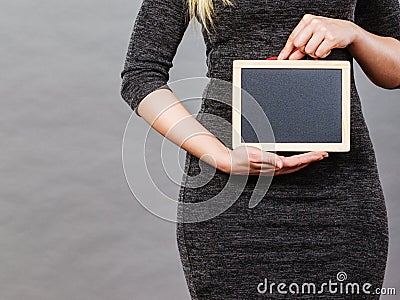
(204, 10)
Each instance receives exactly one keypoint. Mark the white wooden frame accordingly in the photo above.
(238, 65)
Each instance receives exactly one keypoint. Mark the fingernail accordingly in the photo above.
(280, 56)
(326, 154)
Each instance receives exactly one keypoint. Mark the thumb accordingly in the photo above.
(272, 159)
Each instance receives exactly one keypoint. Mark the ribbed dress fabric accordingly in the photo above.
(327, 218)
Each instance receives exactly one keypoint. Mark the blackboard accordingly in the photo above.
(307, 104)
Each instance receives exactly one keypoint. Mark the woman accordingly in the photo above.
(322, 216)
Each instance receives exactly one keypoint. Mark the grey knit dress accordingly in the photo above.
(327, 218)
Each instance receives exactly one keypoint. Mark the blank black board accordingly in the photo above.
(302, 105)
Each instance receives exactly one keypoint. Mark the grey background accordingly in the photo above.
(69, 225)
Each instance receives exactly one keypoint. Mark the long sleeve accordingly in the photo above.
(157, 33)
(380, 17)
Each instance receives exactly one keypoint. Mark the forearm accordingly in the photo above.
(166, 114)
(379, 57)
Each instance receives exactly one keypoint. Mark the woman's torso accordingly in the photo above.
(257, 29)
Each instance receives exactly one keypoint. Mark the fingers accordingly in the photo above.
(297, 162)
(324, 49)
(249, 160)
(301, 38)
(290, 170)
(308, 40)
(304, 158)
(313, 44)
(291, 164)
(272, 159)
(296, 55)
(289, 46)
(259, 157)
(316, 36)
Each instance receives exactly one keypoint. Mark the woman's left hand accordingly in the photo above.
(316, 36)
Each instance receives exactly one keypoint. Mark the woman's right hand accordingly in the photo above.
(247, 160)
